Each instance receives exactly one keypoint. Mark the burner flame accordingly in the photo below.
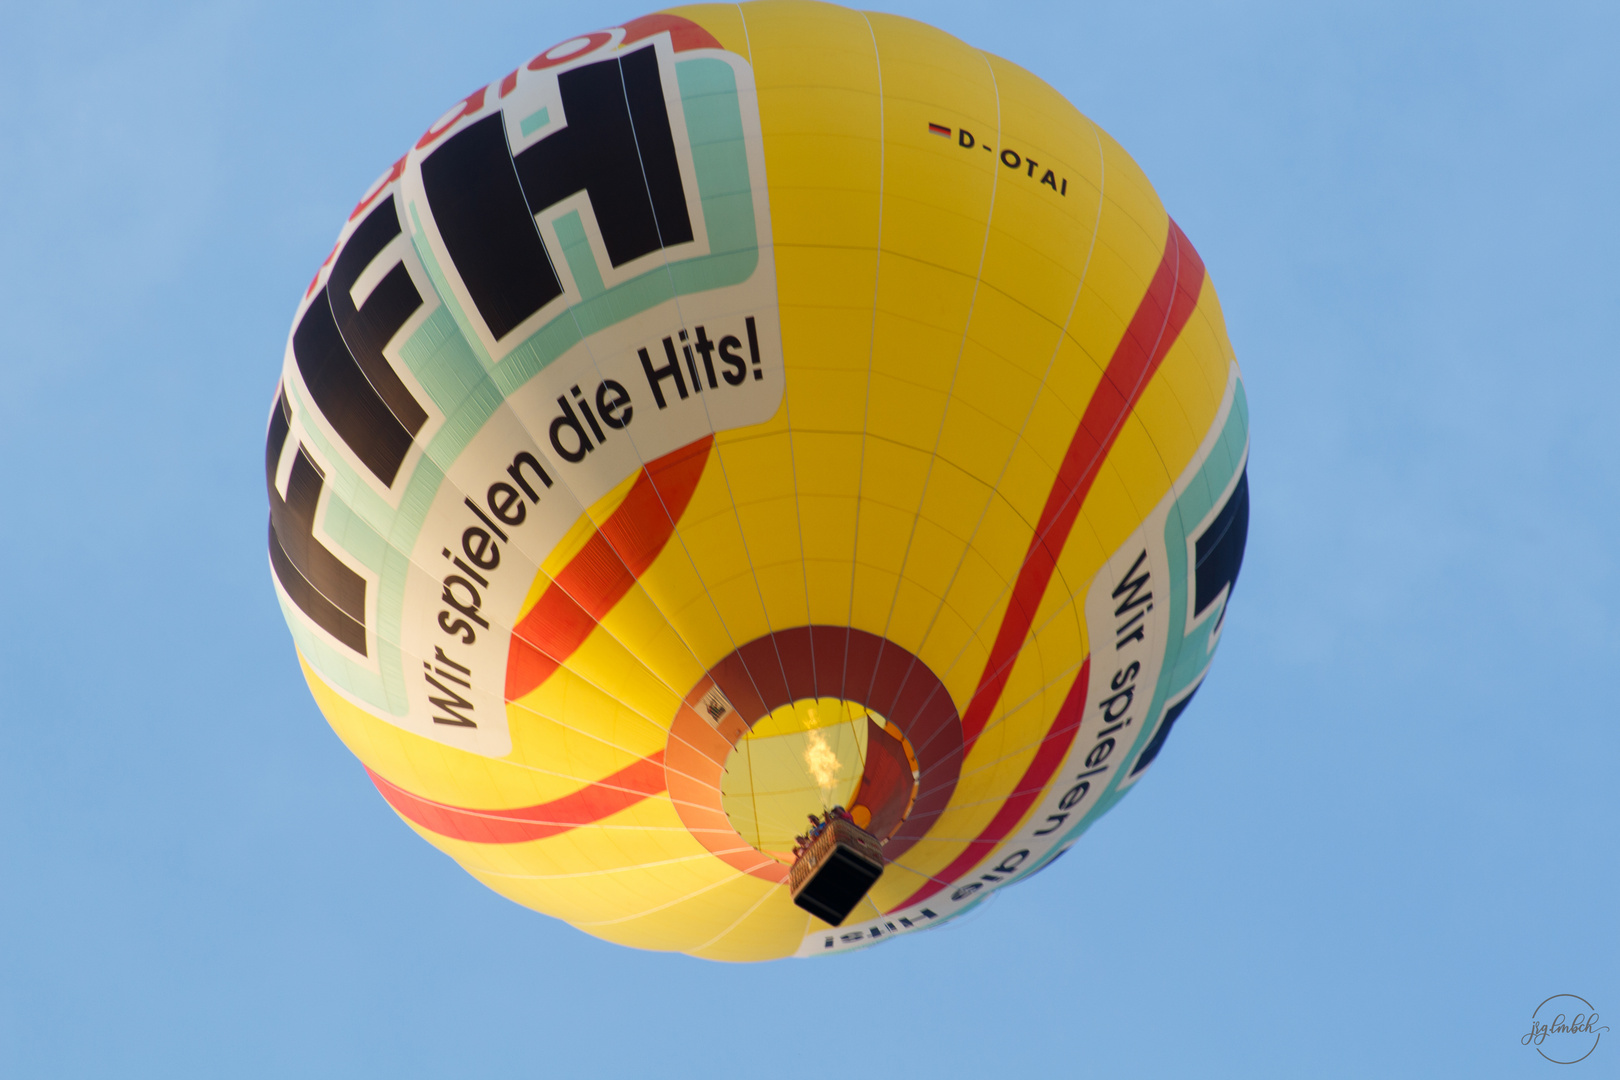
(820, 759)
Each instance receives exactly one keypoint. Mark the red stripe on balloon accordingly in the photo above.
(1048, 756)
(591, 803)
(625, 545)
(684, 34)
(607, 566)
(1159, 319)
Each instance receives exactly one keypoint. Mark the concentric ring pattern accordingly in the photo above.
(744, 406)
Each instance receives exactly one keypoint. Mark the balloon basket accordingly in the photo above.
(836, 871)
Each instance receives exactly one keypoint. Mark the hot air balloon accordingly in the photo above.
(746, 422)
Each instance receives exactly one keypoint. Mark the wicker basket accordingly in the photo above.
(836, 871)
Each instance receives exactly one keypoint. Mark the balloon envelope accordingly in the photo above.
(741, 412)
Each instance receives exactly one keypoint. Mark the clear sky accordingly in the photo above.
(1383, 834)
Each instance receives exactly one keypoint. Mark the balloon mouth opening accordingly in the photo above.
(808, 756)
(895, 784)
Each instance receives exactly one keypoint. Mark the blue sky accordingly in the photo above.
(1383, 834)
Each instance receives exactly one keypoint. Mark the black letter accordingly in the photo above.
(705, 349)
(332, 595)
(339, 351)
(469, 609)
(480, 549)
(449, 704)
(1099, 753)
(1220, 549)
(515, 471)
(590, 418)
(608, 407)
(1074, 795)
(1122, 677)
(964, 137)
(1056, 820)
(753, 346)
(691, 365)
(438, 654)
(1155, 744)
(1107, 704)
(728, 352)
(1134, 585)
(458, 627)
(506, 504)
(1002, 867)
(658, 376)
(569, 420)
(618, 149)
(488, 227)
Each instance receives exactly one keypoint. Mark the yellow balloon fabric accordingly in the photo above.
(741, 412)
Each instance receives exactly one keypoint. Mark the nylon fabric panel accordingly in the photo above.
(749, 358)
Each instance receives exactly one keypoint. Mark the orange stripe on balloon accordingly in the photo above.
(1171, 297)
(595, 579)
(1048, 756)
(591, 803)
(603, 571)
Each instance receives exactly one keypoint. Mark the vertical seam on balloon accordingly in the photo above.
(1036, 630)
(738, 921)
(1171, 256)
(305, 408)
(561, 663)
(564, 725)
(1057, 347)
(735, 875)
(798, 521)
(987, 678)
(920, 873)
(871, 347)
(634, 785)
(793, 464)
(1173, 648)
(753, 795)
(326, 298)
(485, 871)
(622, 517)
(1057, 680)
(718, 458)
(592, 736)
(787, 410)
(1060, 736)
(510, 813)
(552, 582)
(860, 757)
(624, 869)
(585, 509)
(658, 494)
(956, 370)
(748, 41)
